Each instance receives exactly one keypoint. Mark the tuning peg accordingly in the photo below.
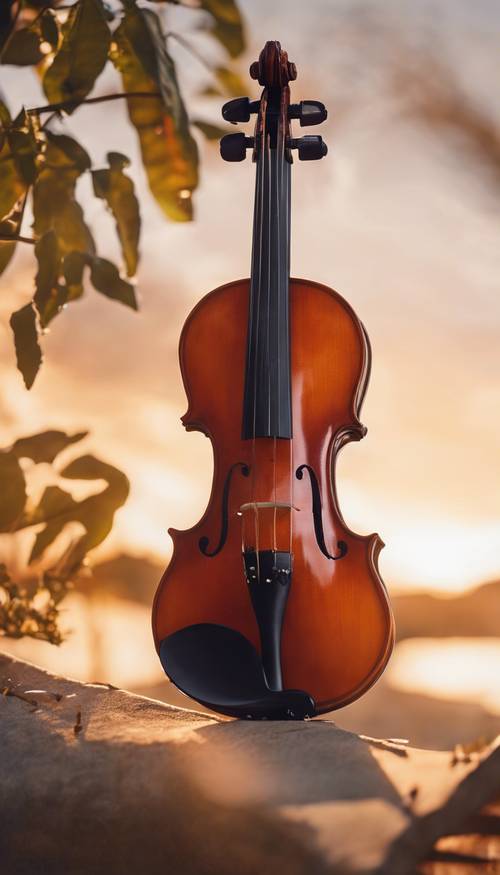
(310, 112)
(239, 109)
(310, 147)
(233, 147)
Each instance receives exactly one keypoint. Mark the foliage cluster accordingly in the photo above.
(69, 45)
(29, 606)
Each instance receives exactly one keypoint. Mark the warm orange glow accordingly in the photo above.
(455, 668)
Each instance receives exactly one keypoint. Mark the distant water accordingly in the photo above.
(110, 640)
(466, 669)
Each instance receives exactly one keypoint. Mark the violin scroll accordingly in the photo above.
(273, 69)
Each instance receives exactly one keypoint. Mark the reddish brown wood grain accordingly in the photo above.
(338, 630)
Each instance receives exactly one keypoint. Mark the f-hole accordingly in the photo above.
(204, 541)
(318, 515)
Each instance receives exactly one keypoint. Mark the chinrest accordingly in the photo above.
(221, 669)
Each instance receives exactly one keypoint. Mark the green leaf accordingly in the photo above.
(23, 49)
(13, 491)
(49, 296)
(169, 152)
(67, 153)
(227, 25)
(230, 80)
(95, 513)
(73, 266)
(117, 190)
(209, 130)
(28, 353)
(54, 204)
(106, 279)
(12, 186)
(11, 226)
(24, 148)
(81, 56)
(45, 446)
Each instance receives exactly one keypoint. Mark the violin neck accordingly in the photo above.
(267, 409)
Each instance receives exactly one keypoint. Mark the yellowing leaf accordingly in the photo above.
(12, 186)
(48, 297)
(227, 25)
(169, 152)
(231, 81)
(54, 204)
(81, 56)
(117, 190)
(209, 130)
(28, 353)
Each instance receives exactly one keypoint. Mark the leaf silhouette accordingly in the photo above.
(169, 152)
(81, 56)
(28, 353)
(227, 24)
(106, 279)
(117, 189)
(95, 513)
(45, 446)
(23, 49)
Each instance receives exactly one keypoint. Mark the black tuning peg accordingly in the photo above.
(239, 109)
(309, 112)
(233, 147)
(310, 147)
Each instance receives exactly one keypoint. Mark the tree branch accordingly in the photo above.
(16, 238)
(72, 104)
(190, 48)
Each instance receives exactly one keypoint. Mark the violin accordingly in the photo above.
(271, 607)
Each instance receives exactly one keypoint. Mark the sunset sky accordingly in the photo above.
(402, 218)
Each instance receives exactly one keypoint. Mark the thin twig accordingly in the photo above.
(190, 48)
(4, 238)
(72, 104)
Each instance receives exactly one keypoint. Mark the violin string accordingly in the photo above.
(279, 194)
(289, 323)
(257, 291)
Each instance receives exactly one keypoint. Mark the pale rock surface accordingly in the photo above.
(97, 780)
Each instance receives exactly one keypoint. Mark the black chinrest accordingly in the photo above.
(220, 668)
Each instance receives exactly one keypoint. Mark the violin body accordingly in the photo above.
(271, 607)
(339, 629)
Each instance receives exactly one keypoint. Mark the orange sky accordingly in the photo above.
(400, 218)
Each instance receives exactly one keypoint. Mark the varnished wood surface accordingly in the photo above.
(338, 630)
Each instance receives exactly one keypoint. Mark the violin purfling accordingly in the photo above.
(271, 607)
